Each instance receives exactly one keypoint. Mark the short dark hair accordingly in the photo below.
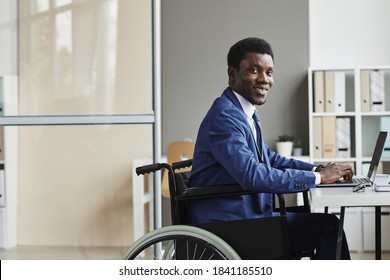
(239, 50)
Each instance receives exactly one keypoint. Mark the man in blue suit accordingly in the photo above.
(230, 150)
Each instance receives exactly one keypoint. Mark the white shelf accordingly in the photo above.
(365, 127)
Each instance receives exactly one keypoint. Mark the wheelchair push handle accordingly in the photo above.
(151, 168)
(182, 164)
(148, 168)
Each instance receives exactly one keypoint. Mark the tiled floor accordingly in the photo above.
(100, 253)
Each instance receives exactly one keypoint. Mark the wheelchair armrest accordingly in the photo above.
(223, 191)
(212, 191)
(305, 208)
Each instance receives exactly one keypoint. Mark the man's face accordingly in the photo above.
(254, 78)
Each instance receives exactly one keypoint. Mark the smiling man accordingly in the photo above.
(230, 150)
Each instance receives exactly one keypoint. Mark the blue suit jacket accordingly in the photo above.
(226, 153)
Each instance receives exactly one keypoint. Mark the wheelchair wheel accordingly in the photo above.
(180, 242)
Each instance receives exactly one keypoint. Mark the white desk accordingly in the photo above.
(344, 197)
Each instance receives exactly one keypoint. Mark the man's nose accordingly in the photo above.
(263, 78)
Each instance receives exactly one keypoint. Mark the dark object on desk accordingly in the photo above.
(380, 144)
(359, 188)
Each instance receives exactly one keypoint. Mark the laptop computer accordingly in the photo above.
(356, 180)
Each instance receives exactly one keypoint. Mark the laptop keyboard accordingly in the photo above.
(356, 181)
(361, 180)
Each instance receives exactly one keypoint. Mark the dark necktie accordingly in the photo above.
(258, 133)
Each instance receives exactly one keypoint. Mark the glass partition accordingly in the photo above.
(81, 109)
(75, 183)
(85, 57)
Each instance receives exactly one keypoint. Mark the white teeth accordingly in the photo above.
(262, 90)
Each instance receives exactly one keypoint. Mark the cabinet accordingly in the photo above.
(347, 109)
(368, 214)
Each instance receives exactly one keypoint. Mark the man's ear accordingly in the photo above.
(231, 73)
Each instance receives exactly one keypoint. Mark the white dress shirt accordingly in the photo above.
(249, 109)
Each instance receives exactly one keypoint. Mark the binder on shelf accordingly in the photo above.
(365, 90)
(2, 188)
(319, 91)
(1, 143)
(329, 136)
(343, 137)
(334, 91)
(377, 90)
(317, 137)
(1, 97)
(339, 91)
(329, 91)
(385, 126)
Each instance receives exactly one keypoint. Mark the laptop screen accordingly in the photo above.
(380, 143)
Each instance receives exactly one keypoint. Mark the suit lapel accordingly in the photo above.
(228, 93)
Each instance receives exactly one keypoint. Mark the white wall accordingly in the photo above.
(349, 33)
(197, 36)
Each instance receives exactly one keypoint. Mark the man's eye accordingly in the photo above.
(253, 70)
(270, 73)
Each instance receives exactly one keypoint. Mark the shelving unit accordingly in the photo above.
(364, 124)
(345, 93)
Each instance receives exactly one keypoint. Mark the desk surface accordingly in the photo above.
(344, 196)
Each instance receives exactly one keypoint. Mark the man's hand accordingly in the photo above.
(335, 171)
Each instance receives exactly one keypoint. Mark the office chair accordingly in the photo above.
(176, 151)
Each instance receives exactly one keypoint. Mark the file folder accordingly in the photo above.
(329, 136)
(1, 143)
(317, 137)
(1, 97)
(329, 91)
(365, 90)
(2, 188)
(339, 91)
(343, 137)
(319, 91)
(377, 91)
(334, 91)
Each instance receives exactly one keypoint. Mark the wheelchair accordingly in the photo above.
(222, 240)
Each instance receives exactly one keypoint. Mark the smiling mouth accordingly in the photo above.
(261, 90)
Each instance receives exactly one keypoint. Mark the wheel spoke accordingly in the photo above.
(178, 242)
